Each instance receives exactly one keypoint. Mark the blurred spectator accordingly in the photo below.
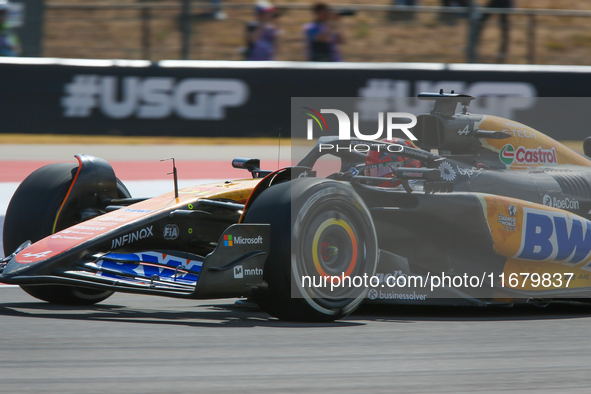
(323, 35)
(450, 18)
(9, 44)
(262, 35)
(503, 25)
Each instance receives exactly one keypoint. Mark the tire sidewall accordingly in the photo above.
(30, 216)
(288, 205)
(326, 198)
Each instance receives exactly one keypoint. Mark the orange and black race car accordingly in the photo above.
(496, 213)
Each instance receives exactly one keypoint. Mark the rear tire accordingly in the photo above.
(30, 217)
(331, 233)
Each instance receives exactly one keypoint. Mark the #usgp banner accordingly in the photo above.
(243, 99)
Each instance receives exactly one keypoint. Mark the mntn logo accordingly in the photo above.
(238, 272)
(228, 240)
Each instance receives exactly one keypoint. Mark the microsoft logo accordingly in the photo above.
(228, 240)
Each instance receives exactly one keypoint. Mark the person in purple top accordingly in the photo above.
(261, 35)
(323, 35)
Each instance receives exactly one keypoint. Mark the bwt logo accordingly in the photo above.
(152, 98)
(345, 124)
(554, 236)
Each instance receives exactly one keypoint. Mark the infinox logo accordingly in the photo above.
(132, 237)
(345, 124)
(554, 236)
(522, 155)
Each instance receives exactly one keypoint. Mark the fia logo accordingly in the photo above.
(238, 272)
(171, 232)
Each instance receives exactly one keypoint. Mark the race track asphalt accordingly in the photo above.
(140, 344)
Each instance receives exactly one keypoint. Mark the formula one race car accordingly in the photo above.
(493, 203)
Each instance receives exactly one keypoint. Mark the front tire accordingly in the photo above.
(320, 228)
(31, 215)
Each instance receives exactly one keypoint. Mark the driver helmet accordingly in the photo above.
(380, 164)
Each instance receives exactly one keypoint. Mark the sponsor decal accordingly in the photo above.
(401, 296)
(353, 171)
(416, 152)
(512, 210)
(78, 227)
(519, 132)
(554, 236)
(250, 241)
(39, 255)
(464, 131)
(174, 270)
(132, 237)
(509, 155)
(372, 294)
(304, 174)
(240, 272)
(230, 240)
(75, 232)
(137, 210)
(109, 219)
(447, 172)
(413, 174)
(564, 203)
(171, 232)
(508, 222)
(469, 172)
(153, 97)
(59, 236)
